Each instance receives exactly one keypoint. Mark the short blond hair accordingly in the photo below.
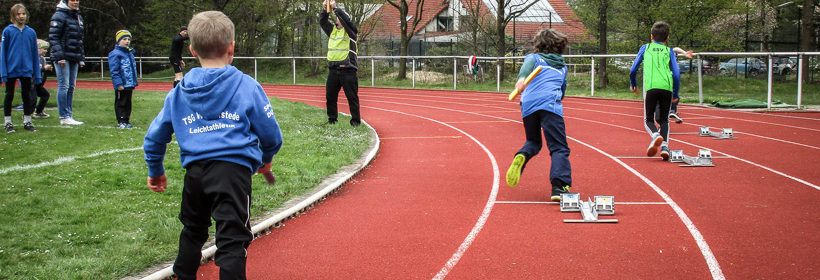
(211, 33)
(13, 13)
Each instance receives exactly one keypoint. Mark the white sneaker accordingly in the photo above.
(70, 121)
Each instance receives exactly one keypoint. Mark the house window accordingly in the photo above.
(444, 23)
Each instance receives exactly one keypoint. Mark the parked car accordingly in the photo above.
(742, 65)
(782, 66)
(687, 66)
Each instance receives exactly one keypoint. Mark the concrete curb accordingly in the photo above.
(293, 207)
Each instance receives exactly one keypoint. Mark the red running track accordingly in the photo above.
(434, 204)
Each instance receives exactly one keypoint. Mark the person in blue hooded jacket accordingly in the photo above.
(226, 130)
(65, 33)
(19, 61)
(542, 109)
(123, 77)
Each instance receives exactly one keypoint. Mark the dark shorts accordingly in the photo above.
(177, 64)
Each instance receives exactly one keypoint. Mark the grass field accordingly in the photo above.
(74, 202)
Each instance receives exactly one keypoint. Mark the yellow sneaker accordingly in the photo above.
(514, 173)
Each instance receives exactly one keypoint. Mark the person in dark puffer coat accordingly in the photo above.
(65, 34)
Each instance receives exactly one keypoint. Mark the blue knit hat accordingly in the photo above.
(122, 34)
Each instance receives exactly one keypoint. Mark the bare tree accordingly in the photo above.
(471, 23)
(808, 33)
(406, 31)
(602, 47)
(506, 11)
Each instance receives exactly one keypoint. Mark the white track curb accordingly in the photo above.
(299, 204)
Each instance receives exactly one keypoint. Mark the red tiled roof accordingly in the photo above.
(388, 17)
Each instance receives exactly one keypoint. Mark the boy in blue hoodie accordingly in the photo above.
(541, 109)
(226, 130)
(123, 76)
(19, 61)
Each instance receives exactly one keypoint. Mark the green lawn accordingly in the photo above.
(74, 202)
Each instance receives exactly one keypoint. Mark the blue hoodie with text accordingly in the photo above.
(216, 114)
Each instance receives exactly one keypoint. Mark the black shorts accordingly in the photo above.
(177, 64)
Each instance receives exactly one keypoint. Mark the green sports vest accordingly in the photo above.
(338, 45)
(656, 72)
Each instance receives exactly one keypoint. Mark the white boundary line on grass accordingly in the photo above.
(62, 160)
(711, 261)
(268, 223)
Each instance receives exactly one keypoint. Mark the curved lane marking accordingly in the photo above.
(711, 261)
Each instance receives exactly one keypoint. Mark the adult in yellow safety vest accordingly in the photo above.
(342, 62)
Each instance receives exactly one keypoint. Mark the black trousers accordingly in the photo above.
(221, 190)
(661, 99)
(342, 79)
(554, 131)
(43, 94)
(25, 89)
(122, 105)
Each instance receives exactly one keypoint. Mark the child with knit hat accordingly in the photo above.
(39, 90)
(123, 77)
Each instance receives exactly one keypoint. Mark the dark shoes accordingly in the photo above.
(30, 127)
(9, 128)
(557, 191)
(665, 153)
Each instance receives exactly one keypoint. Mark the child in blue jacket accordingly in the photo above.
(542, 110)
(226, 130)
(19, 61)
(123, 76)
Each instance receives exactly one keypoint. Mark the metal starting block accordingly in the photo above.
(704, 158)
(602, 205)
(726, 133)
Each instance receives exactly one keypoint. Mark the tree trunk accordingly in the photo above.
(405, 42)
(602, 47)
(808, 34)
(501, 44)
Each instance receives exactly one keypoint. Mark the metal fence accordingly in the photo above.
(748, 64)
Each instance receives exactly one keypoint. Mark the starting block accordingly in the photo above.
(726, 133)
(590, 210)
(704, 158)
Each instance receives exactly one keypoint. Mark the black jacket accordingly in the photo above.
(351, 30)
(65, 33)
(176, 47)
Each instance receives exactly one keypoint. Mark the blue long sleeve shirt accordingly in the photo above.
(673, 66)
(18, 54)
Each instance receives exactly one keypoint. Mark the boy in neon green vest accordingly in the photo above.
(661, 78)
(342, 63)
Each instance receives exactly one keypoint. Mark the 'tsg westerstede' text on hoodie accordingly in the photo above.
(216, 114)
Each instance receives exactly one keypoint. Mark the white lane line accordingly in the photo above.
(711, 261)
(658, 157)
(485, 214)
(706, 116)
(64, 160)
(551, 202)
(627, 128)
(614, 113)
